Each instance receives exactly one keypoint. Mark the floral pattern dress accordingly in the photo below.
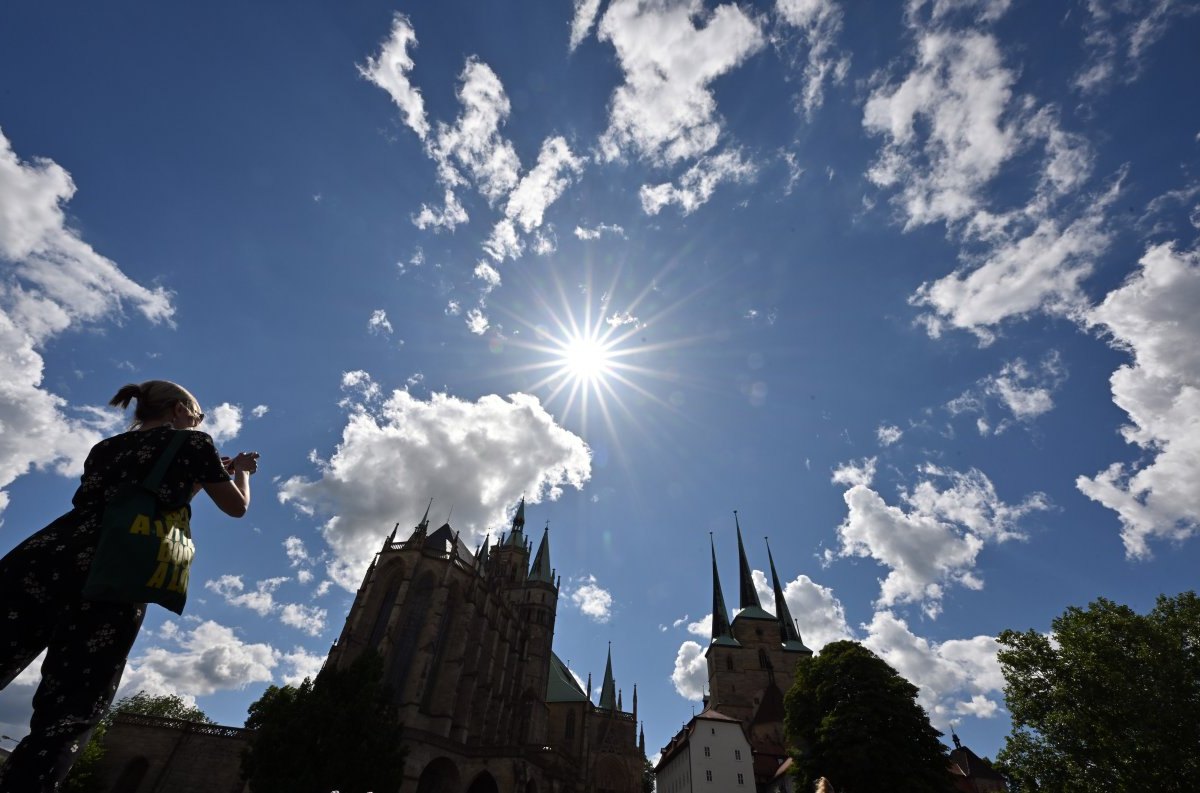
(87, 642)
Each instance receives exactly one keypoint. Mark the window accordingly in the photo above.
(741, 779)
(707, 753)
(729, 662)
(708, 775)
(737, 754)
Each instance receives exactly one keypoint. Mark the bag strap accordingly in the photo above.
(159, 470)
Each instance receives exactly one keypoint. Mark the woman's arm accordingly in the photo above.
(233, 498)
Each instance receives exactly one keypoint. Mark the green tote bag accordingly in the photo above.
(145, 552)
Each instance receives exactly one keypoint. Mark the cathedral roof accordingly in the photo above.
(541, 562)
(562, 685)
(720, 619)
(445, 538)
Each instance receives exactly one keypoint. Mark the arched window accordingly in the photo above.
(569, 733)
(729, 662)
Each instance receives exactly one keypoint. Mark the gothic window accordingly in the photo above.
(763, 661)
(416, 608)
(570, 731)
(385, 611)
(729, 662)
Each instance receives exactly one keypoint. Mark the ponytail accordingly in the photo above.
(155, 398)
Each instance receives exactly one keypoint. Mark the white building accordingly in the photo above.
(710, 753)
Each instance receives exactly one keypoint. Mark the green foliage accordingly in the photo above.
(1113, 703)
(647, 776)
(856, 721)
(339, 733)
(82, 778)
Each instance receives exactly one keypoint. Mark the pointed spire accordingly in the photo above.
(541, 563)
(748, 595)
(608, 693)
(589, 691)
(483, 552)
(423, 526)
(392, 537)
(516, 537)
(635, 701)
(720, 616)
(789, 634)
(642, 740)
(620, 705)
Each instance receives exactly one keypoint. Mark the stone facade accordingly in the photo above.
(151, 754)
(466, 642)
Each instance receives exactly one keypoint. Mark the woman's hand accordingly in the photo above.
(245, 461)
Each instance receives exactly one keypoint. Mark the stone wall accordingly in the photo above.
(149, 754)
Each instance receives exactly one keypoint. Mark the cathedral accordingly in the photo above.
(751, 661)
(466, 642)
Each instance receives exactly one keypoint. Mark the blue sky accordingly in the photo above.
(915, 290)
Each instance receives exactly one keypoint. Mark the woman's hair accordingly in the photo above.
(155, 398)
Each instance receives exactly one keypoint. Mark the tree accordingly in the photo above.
(1110, 702)
(853, 719)
(82, 778)
(647, 776)
(337, 733)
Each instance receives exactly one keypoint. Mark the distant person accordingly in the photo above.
(41, 580)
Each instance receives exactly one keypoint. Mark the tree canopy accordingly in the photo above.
(856, 721)
(1110, 701)
(337, 733)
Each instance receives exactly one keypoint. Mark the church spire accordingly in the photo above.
(608, 694)
(720, 616)
(642, 740)
(748, 595)
(423, 526)
(789, 634)
(541, 562)
(516, 537)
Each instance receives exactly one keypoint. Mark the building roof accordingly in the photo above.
(681, 738)
(721, 633)
(541, 562)
(608, 693)
(446, 538)
(748, 595)
(971, 765)
(562, 685)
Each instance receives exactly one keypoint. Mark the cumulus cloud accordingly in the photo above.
(593, 600)
(259, 411)
(262, 602)
(1153, 316)
(956, 677)
(389, 70)
(489, 275)
(934, 537)
(888, 434)
(690, 675)
(665, 111)
(297, 554)
(543, 184)
(208, 658)
(582, 21)
(397, 453)
(50, 280)
(1025, 391)
(302, 664)
(1119, 33)
(819, 23)
(855, 473)
(950, 127)
(378, 324)
(477, 321)
(818, 614)
(698, 183)
(598, 231)
(223, 422)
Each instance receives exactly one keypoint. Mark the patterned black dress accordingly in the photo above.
(87, 642)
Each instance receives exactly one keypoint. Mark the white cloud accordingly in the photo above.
(543, 184)
(820, 23)
(477, 321)
(593, 600)
(52, 280)
(489, 275)
(1118, 35)
(1153, 316)
(208, 658)
(950, 127)
(582, 21)
(956, 677)
(665, 111)
(297, 554)
(701, 627)
(223, 422)
(619, 318)
(1025, 391)
(304, 576)
(303, 664)
(259, 411)
(378, 324)
(934, 537)
(309, 619)
(389, 70)
(453, 308)
(690, 675)
(596, 232)
(394, 456)
(698, 183)
(888, 434)
(850, 473)
(818, 614)
(448, 217)
(261, 601)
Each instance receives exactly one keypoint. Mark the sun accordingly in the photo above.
(586, 357)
